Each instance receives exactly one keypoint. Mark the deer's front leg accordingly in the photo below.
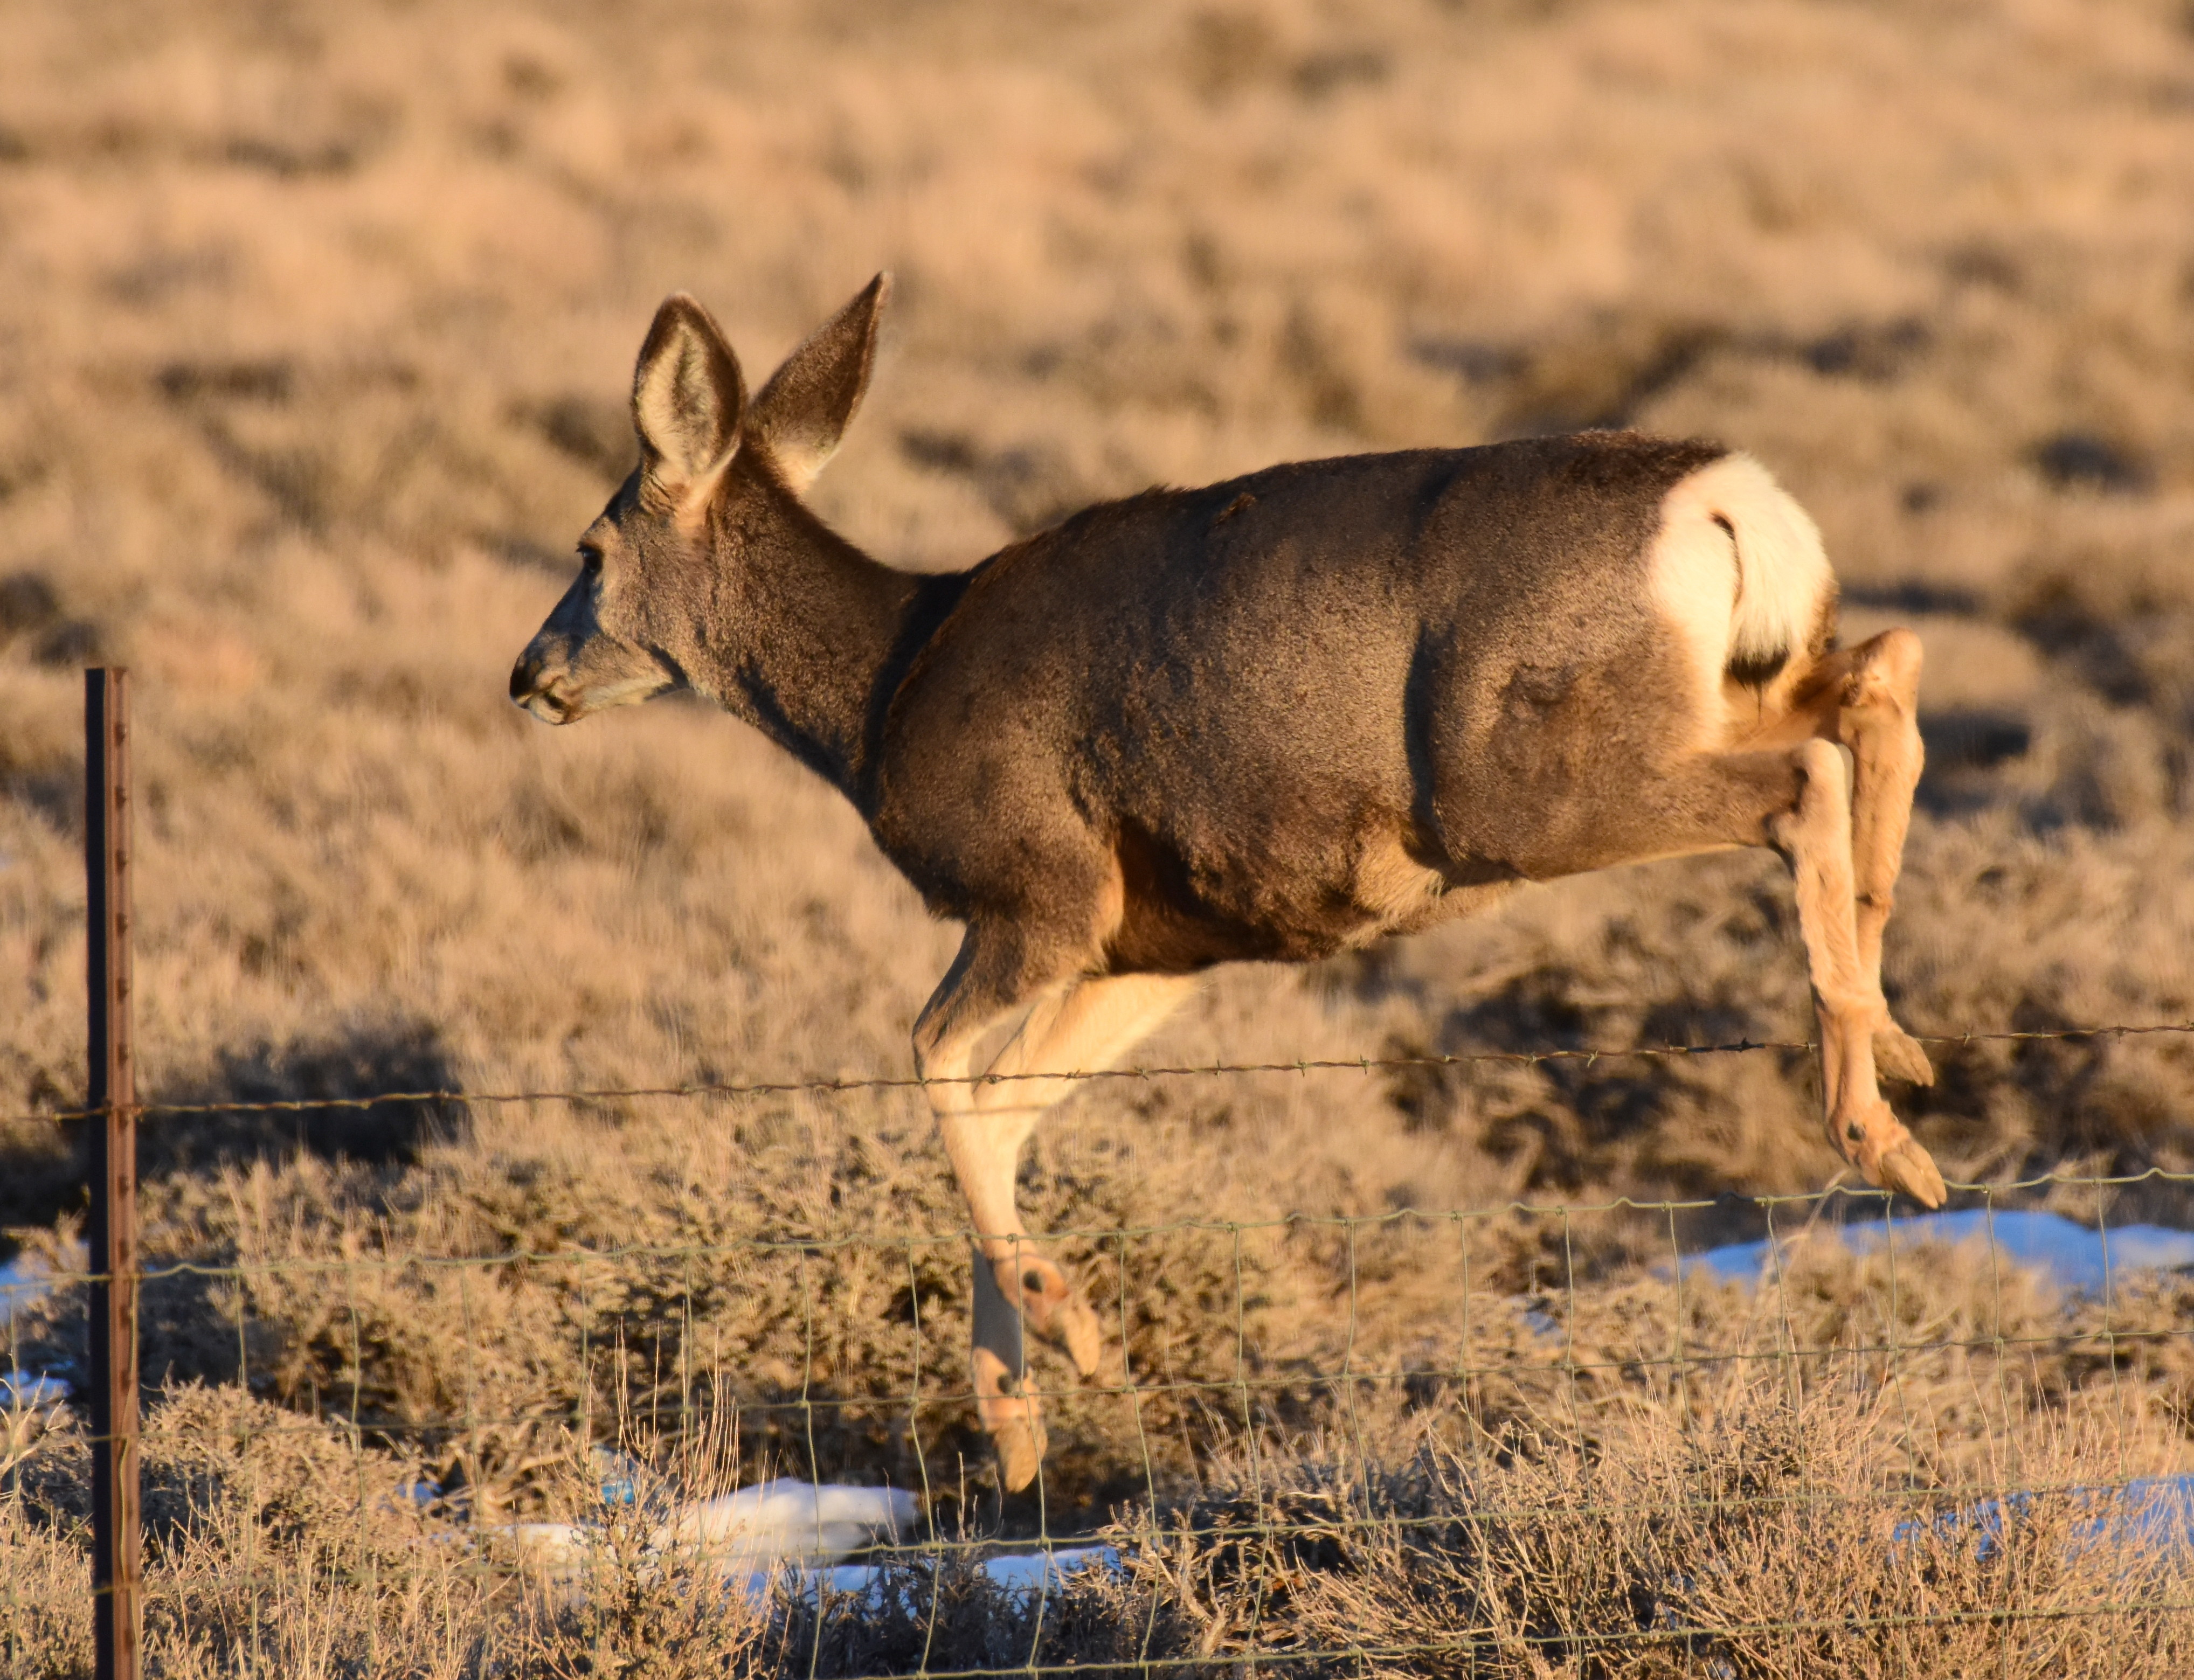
(984, 1120)
(985, 1149)
(1011, 1415)
(988, 980)
(1087, 1029)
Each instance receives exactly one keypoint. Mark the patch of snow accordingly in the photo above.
(554, 1549)
(2075, 1256)
(1046, 1571)
(787, 1531)
(2152, 1513)
(2148, 1515)
(25, 1392)
(789, 1521)
(755, 1534)
(24, 1282)
(621, 1475)
(1023, 1572)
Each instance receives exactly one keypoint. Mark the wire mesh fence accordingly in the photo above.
(1745, 1435)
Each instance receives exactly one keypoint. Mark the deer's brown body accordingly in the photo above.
(1270, 719)
(1274, 719)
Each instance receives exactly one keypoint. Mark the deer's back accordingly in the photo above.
(1265, 702)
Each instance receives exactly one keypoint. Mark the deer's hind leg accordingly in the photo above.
(1075, 1025)
(1796, 800)
(1877, 716)
(1815, 837)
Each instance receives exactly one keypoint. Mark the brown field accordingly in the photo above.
(314, 322)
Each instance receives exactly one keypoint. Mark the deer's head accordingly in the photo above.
(660, 569)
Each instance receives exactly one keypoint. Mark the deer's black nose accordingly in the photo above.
(525, 678)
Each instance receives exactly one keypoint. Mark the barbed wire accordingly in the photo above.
(818, 1084)
(955, 1237)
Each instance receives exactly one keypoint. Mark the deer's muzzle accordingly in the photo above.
(531, 687)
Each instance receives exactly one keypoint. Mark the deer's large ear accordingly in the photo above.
(687, 397)
(802, 412)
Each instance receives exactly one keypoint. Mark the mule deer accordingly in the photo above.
(1278, 717)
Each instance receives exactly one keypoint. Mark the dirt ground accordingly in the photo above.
(315, 325)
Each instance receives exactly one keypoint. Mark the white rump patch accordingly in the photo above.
(1738, 571)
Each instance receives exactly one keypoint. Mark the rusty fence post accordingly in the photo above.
(113, 1097)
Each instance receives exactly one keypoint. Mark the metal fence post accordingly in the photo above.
(112, 1096)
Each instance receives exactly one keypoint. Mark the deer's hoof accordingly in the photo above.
(1874, 1140)
(1911, 1170)
(1053, 1308)
(1021, 1454)
(1897, 1055)
(1085, 1341)
(1012, 1417)
(1111, 1369)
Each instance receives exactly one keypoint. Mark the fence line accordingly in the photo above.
(958, 1236)
(819, 1085)
(1563, 1370)
(916, 1565)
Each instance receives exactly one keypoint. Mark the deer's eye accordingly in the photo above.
(591, 558)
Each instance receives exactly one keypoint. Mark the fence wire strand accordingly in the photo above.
(824, 1084)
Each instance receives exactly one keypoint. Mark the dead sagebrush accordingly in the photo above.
(1772, 1534)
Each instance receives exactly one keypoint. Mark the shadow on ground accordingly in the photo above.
(324, 1080)
(43, 1166)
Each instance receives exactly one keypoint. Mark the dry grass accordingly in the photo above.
(315, 337)
(1766, 1542)
(312, 322)
(1656, 1483)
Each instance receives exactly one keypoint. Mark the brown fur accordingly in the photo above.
(1271, 719)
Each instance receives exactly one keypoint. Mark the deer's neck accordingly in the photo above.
(818, 637)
